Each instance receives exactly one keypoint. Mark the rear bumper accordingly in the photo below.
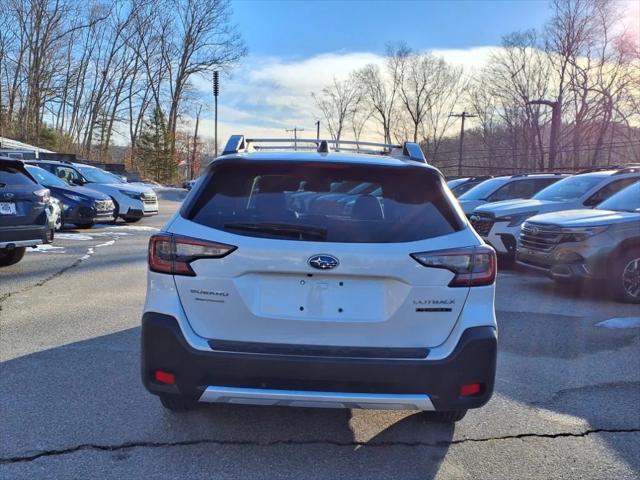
(29, 235)
(299, 379)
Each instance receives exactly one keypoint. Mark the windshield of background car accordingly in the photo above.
(570, 188)
(10, 176)
(627, 200)
(482, 191)
(396, 204)
(96, 175)
(45, 178)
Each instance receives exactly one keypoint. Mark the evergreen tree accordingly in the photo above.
(153, 152)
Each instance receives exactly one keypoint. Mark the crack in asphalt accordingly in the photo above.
(277, 443)
(40, 283)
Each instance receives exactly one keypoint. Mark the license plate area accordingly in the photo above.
(321, 298)
(7, 208)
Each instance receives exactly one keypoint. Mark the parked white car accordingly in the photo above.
(508, 187)
(132, 202)
(499, 223)
(382, 301)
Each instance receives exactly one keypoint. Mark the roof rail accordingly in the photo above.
(537, 173)
(598, 169)
(238, 143)
(629, 168)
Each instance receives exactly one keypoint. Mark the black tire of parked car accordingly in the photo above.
(84, 225)
(9, 257)
(132, 219)
(624, 268)
(178, 403)
(445, 416)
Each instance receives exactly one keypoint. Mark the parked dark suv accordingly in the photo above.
(81, 206)
(24, 220)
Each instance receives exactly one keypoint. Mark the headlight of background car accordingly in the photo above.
(580, 234)
(516, 219)
(134, 195)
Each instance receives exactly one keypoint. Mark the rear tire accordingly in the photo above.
(445, 416)
(10, 257)
(132, 220)
(83, 225)
(625, 282)
(177, 403)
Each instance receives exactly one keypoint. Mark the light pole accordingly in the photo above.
(318, 130)
(555, 128)
(295, 131)
(216, 91)
(463, 116)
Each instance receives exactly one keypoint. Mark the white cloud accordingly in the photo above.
(265, 96)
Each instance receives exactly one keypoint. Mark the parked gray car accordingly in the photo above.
(598, 244)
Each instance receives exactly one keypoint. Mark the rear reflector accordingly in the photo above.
(470, 390)
(167, 378)
(173, 254)
(472, 266)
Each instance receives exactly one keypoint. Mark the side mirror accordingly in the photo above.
(77, 181)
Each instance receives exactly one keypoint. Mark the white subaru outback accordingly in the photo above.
(322, 279)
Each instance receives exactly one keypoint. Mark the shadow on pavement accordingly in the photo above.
(90, 393)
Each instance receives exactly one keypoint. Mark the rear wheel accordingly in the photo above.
(445, 416)
(84, 225)
(626, 277)
(132, 220)
(177, 403)
(9, 257)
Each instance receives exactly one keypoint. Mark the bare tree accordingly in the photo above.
(337, 103)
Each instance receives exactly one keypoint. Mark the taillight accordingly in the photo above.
(473, 266)
(172, 254)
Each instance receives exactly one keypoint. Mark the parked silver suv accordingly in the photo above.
(576, 245)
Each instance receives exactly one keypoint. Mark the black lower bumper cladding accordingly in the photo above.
(472, 361)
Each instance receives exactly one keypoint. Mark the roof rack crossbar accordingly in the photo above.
(408, 150)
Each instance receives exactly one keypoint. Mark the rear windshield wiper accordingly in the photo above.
(285, 229)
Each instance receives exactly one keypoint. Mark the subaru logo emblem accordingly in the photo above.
(8, 196)
(323, 262)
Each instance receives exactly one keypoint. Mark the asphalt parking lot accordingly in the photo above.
(567, 401)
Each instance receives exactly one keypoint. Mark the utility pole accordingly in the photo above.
(192, 161)
(318, 130)
(295, 131)
(463, 116)
(216, 91)
(556, 120)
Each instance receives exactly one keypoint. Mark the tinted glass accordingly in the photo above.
(45, 178)
(608, 190)
(97, 175)
(482, 191)
(10, 176)
(465, 187)
(306, 202)
(570, 188)
(627, 200)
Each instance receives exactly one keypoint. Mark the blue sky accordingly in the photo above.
(296, 47)
(294, 29)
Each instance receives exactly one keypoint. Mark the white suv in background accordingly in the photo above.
(269, 287)
(132, 202)
(499, 223)
(506, 188)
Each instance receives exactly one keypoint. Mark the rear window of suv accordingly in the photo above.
(11, 176)
(333, 202)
